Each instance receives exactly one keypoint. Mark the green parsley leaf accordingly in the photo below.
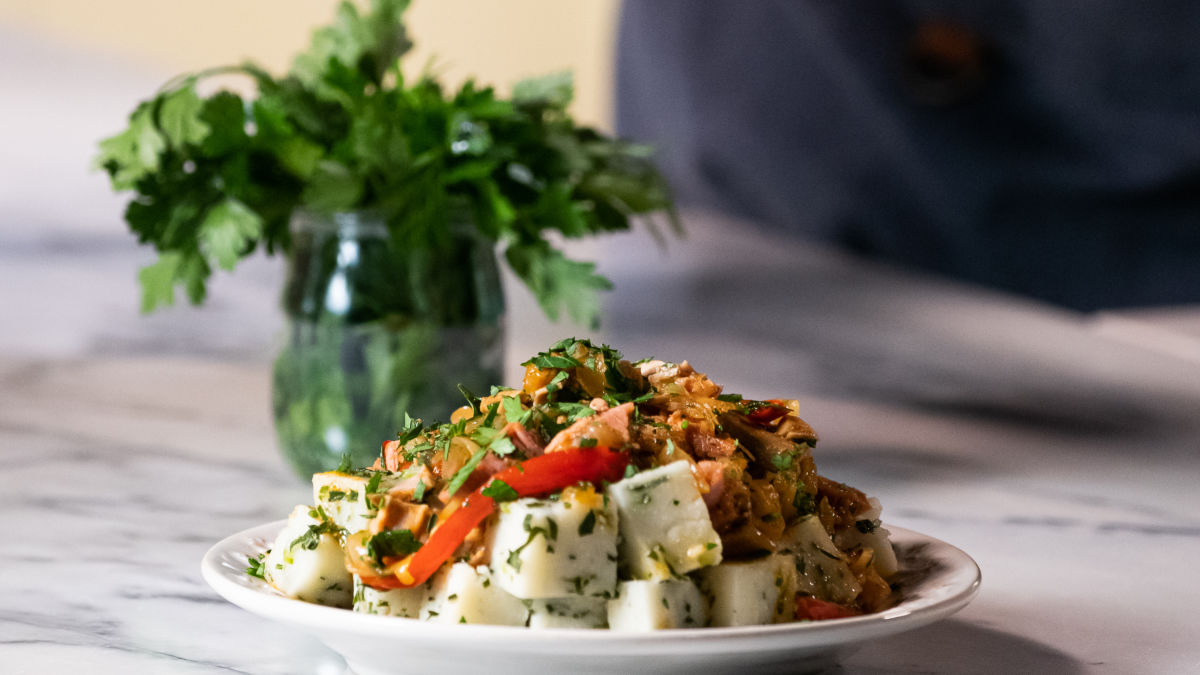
(464, 473)
(312, 536)
(502, 446)
(782, 461)
(257, 565)
(392, 544)
(558, 282)
(228, 231)
(513, 411)
(472, 399)
(588, 524)
(499, 491)
(344, 130)
(545, 361)
(373, 482)
(179, 117)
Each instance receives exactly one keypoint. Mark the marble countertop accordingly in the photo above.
(1059, 450)
(1061, 459)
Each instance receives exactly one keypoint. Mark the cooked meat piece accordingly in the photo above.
(398, 514)
(524, 439)
(795, 429)
(845, 503)
(713, 474)
(609, 428)
(763, 444)
(706, 445)
(732, 508)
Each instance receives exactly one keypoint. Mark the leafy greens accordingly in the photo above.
(218, 177)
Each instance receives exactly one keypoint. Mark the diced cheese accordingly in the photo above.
(461, 593)
(402, 602)
(573, 612)
(307, 563)
(344, 498)
(545, 548)
(821, 568)
(665, 528)
(750, 593)
(877, 539)
(642, 606)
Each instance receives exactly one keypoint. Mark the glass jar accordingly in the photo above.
(374, 332)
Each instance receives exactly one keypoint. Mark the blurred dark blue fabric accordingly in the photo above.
(1047, 148)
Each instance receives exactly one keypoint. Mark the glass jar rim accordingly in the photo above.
(354, 224)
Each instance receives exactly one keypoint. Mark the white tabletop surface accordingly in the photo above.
(1059, 450)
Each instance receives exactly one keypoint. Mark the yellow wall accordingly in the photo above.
(498, 41)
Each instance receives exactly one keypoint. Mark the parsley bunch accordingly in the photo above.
(218, 177)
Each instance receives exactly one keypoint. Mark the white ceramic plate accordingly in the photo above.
(936, 581)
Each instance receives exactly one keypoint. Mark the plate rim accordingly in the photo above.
(910, 614)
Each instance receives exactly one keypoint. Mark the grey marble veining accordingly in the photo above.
(119, 489)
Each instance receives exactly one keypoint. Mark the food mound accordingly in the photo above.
(602, 494)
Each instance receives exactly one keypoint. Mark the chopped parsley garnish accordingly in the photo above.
(866, 526)
(257, 565)
(373, 482)
(392, 544)
(491, 415)
(472, 399)
(514, 556)
(587, 443)
(344, 466)
(783, 461)
(464, 473)
(412, 429)
(730, 398)
(513, 412)
(650, 485)
(312, 536)
(502, 446)
(588, 524)
(804, 502)
(555, 383)
(546, 360)
(499, 491)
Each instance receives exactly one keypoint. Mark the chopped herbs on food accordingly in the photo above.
(500, 491)
(392, 544)
(257, 565)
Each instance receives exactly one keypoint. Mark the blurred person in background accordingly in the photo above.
(1046, 148)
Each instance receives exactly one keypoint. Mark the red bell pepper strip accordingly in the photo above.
(819, 610)
(765, 412)
(537, 476)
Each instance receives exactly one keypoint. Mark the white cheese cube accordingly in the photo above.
(573, 612)
(665, 528)
(544, 548)
(821, 568)
(750, 593)
(465, 594)
(306, 561)
(402, 602)
(876, 538)
(642, 606)
(344, 498)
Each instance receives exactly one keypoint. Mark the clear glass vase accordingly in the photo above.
(374, 332)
